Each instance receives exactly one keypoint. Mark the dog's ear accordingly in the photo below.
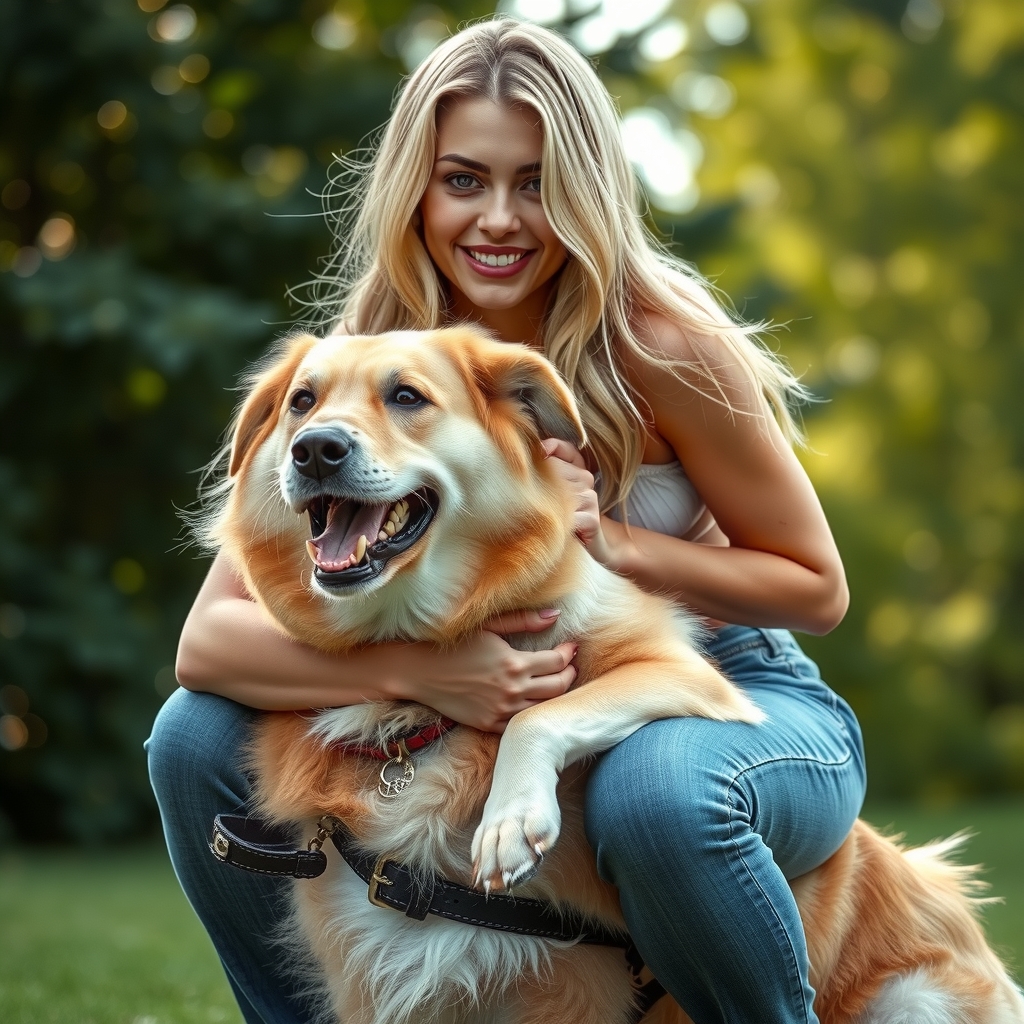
(537, 386)
(268, 389)
(518, 374)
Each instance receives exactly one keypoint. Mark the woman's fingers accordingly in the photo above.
(523, 621)
(559, 449)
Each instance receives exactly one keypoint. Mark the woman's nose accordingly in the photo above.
(499, 218)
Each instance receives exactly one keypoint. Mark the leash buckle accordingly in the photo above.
(325, 828)
(377, 879)
(221, 846)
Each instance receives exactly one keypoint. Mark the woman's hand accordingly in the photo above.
(230, 646)
(601, 536)
(484, 681)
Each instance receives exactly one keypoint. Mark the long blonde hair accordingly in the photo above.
(381, 278)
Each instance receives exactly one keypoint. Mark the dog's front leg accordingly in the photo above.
(521, 819)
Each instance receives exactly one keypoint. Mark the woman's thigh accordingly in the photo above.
(797, 780)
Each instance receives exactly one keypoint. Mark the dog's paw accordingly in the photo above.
(512, 839)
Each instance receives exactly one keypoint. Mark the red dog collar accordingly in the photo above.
(412, 741)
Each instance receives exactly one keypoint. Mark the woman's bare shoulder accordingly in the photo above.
(687, 368)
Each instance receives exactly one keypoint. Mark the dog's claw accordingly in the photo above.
(510, 843)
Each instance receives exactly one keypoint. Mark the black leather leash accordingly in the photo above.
(253, 845)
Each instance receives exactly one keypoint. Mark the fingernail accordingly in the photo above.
(550, 613)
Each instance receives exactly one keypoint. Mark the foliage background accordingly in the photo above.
(855, 177)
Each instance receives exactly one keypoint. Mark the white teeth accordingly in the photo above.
(389, 528)
(311, 551)
(382, 535)
(504, 260)
(360, 549)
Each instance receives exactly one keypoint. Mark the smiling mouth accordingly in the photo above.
(352, 542)
(492, 260)
(492, 264)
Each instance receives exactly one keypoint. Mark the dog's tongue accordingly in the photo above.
(347, 521)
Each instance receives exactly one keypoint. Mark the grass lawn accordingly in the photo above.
(109, 939)
(104, 938)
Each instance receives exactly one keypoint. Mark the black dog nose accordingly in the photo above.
(318, 453)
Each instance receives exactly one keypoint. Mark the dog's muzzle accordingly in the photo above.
(352, 541)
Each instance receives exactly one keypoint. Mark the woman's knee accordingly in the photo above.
(197, 739)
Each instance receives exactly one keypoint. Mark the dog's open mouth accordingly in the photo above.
(352, 542)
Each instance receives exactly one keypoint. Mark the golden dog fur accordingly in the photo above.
(889, 932)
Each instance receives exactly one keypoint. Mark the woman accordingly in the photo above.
(501, 194)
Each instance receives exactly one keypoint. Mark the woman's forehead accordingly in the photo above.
(481, 123)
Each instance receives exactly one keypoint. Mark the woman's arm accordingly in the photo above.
(777, 563)
(231, 647)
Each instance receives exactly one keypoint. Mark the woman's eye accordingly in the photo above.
(407, 397)
(303, 401)
(533, 185)
(462, 181)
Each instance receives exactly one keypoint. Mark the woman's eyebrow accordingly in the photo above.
(454, 158)
(475, 165)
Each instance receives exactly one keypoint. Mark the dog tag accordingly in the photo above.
(397, 773)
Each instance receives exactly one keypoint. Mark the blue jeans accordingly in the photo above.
(698, 823)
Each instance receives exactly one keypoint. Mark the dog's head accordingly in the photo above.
(397, 482)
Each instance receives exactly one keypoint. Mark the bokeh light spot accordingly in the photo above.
(146, 387)
(13, 732)
(128, 576)
(111, 115)
(175, 25)
(57, 237)
(726, 23)
(217, 124)
(335, 31)
(889, 625)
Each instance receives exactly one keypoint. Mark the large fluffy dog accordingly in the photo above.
(395, 487)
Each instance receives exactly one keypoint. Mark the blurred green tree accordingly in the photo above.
(851, 172)
(159, 168)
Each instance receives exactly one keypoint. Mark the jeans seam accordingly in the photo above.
(779, 927)
(737, 648)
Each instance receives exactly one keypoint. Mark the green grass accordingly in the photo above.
(108, 938)
(104, 938)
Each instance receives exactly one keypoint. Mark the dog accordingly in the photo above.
(394, 488)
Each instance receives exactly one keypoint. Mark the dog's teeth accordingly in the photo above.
(389, 528)
(382, 535)
(360, 549)
(311, 551)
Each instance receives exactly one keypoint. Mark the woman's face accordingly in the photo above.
(483, 222)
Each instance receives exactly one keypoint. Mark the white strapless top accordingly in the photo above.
(663, 500)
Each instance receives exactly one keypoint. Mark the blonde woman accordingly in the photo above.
(500, 193)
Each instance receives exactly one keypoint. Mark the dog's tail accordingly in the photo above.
(886, 924)
(935, 862)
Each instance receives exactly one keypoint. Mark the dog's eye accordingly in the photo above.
(303, 401)
(406, 396)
